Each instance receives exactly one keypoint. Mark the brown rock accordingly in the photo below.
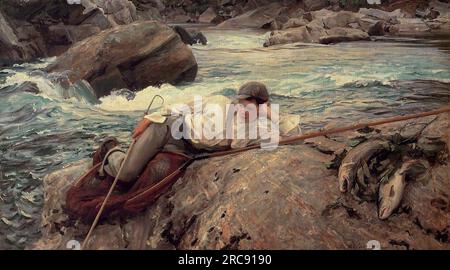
(125, 57)
(255, 18)
(99, 19)
(340, 19)
(442, 8)
(47, 28)
(118, 12)
(69, 34)
(54, 193)
(324, 26)
(291, 35)
(294, 22)
(378, 29)
(390, 17)
(208, 16)
(317, 30)
(343, 34)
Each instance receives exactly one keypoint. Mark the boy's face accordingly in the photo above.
(248, 110)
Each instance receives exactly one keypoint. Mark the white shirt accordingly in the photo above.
(210, 124)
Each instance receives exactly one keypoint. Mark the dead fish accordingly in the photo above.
(391, 191)
(356, 159)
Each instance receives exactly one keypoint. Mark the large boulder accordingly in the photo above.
(281, 199)
(132, 56)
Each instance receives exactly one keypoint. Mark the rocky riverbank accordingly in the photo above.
(34, 29)
(282, 199)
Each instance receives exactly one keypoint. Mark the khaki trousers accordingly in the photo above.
(156, 138)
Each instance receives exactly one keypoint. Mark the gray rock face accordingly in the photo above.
(124, 57)
(32, 29)
(19, 41)
(282, 199)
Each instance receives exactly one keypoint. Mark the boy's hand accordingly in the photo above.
(141, 127)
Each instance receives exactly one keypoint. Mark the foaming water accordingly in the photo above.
(41, 132)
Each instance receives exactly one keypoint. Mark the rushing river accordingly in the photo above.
(40, 133)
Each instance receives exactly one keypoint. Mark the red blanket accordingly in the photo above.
(85, 197)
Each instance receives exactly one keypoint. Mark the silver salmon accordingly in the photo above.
(356, 158)
(391, 191)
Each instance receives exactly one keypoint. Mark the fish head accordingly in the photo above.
(346, 179)
(385, 210)
(385, 204)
